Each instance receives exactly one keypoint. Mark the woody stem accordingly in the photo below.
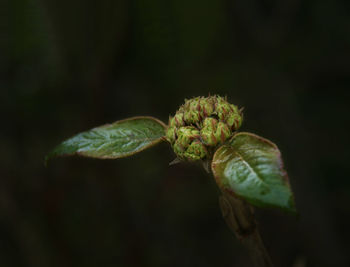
(239, 216)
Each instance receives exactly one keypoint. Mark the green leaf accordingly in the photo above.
(117, 140)
(251, 167)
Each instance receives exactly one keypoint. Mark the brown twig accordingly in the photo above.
(239, 216)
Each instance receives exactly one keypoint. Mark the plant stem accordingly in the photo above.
(239, 216)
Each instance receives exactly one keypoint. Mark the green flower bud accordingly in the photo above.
(187, 134)
(177, 120)
(195, 151)
(201, 123)
(192, 117)
(171, 134)
(222, 132)
(208, 131)
(179, 149)
(194, 104)
(208, 107)
(188, 145)
(223, 109)
(234, 121)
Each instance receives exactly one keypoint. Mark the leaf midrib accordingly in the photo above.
(124, 137)
(250, 168)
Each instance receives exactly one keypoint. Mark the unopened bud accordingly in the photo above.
(202, 122)
(208, 132)
(195, 151)
(171, 134)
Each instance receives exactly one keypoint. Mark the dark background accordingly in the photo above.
(70, 65)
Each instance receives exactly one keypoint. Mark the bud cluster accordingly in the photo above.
(201, 123)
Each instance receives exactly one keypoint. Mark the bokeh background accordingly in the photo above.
(70, 65)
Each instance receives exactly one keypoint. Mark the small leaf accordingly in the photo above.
(117, 140)
(251, 167)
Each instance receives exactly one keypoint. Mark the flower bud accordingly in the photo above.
(177, 120)
(208, 108)
(223, 109)
(192, 117)
(187, 134)
(201, 123)
(234, 121)
(195, 151)
(208, 131)
(222, 132)
(171, 134)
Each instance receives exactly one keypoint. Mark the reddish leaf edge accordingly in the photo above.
(293, 210)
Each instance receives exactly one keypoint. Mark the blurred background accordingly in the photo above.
(68, 66)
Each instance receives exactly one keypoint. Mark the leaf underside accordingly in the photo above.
(251, 167)
(120, 139)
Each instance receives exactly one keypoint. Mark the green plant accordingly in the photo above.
(247, 168)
